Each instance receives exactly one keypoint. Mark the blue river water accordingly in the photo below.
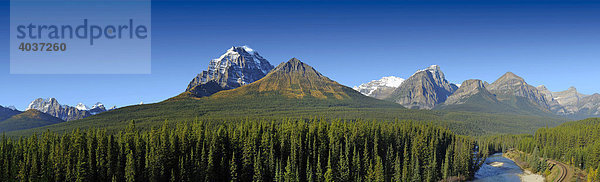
(497, 168)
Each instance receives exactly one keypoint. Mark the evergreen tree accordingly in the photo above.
(233, 170)
(329, 172)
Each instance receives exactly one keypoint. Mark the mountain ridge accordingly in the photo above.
(29, 119)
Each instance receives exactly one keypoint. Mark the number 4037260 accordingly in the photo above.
(43, 47)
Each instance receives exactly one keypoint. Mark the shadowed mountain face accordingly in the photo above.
(294, 79)
(6, 113)
(423, 90)
(29, 119)
(237, 67)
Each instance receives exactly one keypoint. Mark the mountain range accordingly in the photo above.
(241, 84)
(428, 89)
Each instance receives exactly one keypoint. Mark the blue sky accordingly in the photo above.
(555, 43)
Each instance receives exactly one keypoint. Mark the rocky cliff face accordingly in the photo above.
(381, 88)
(468, 89)
(424, 89)
(6, 112)
(589, 105)
(511, 88)
(53, 108)
(569, 99)
(553, 104)
(238, 66)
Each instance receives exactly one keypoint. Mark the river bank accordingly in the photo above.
(527, 175)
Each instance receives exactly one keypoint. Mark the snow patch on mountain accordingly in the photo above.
(82, 107)
(13, 108)
(369, 88)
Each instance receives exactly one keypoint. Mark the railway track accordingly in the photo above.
(563, 171)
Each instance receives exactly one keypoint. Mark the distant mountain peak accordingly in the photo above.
(13, 108)
(82, 107)
(52, 107)
(511, 76)
(380, 88)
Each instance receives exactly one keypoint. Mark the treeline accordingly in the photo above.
(283, 150)
(575, 143)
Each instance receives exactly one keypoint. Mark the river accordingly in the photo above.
(498, 168)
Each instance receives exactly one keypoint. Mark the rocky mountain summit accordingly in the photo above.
(570, 99)
(515, 91)
(423, 90)
(468, 89)
(381, 88)
(52, 107)
(238, 66)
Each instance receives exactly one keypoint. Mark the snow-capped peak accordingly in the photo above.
(97, 105)
(433, 69)
(391, 81)
(250, 55)
(370, 87)
(248, 49)
(12, 107)
(82, 107)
